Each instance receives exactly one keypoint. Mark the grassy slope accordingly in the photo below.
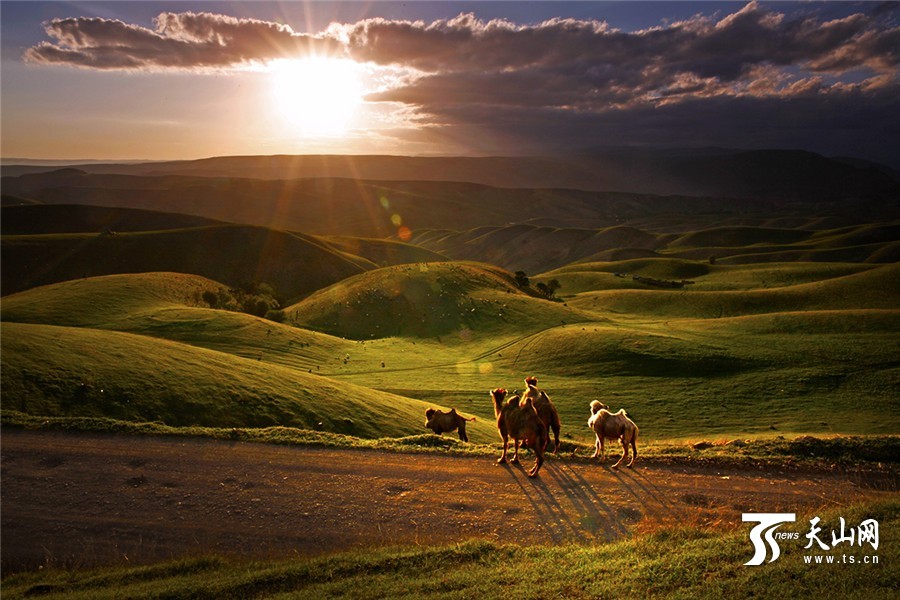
(756, 349)
(74, 218)
(686, 562)
(382, 252)
(821, 371)
(229, 369)
(810, 362)
(294, 264)
(48, 370)
(532, 248)
(873, 288)
(512, 246)
(425, 301)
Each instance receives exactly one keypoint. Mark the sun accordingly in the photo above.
(318, 96)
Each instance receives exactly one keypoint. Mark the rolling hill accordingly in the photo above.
(537, 249)
(801, 354)
(355, 207)
(54, 371)
(875, 288)
(37, 219)
(141, 347)
(785, 174)
(170, 306)
(754, 345)
(72, 237)
(378, 207)
(294, 264)
(427, 300)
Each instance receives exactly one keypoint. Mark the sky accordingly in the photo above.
(182, 80)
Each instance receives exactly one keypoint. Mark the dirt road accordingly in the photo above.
(85, 499)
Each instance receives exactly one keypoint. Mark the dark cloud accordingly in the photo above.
(849, 122)
(754, 78)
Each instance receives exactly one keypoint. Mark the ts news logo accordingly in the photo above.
(768, 523)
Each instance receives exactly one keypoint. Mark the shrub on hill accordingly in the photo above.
(254, 299)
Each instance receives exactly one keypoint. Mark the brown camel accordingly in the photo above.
(520, 421)
(440, 422)
(545, 409)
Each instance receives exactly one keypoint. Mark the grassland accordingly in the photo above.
(512, 246)
(746, 351)
(783, 351)
(685, 562)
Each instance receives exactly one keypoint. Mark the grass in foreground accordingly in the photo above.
(670, 563)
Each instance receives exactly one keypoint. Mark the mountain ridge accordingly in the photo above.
(780, 174)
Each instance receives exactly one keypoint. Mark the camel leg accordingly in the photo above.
(596, 447)
(538, 461)
(555, 439)
(634, 450)
(516, 453)
(462, 432)
(624, 454)
(502, 458)
(602, 449)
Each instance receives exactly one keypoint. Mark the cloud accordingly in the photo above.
(179, 41)
(755, 76)
(751, 78)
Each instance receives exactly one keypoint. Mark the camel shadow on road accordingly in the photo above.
(569, 508)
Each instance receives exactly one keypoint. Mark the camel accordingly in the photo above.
(614, 426)
(545, 409)
(440, 422)
(520, 421)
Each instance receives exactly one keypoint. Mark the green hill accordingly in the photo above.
(382, 252)
(159, 322)
(79, 218)
(171, 306)
(768, 372)
(612, 275)
(535, 249)
(871, 288)
(100, 301)
(739, 236)
(54, 371)
(293, 264)
(427, 300)
(10, 200)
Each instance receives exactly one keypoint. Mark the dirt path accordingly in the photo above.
(85, 499)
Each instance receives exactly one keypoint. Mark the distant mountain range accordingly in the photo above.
(708, 172)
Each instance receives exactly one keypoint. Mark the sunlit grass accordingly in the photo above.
(672, 562)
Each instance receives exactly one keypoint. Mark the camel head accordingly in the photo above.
(597, 406)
